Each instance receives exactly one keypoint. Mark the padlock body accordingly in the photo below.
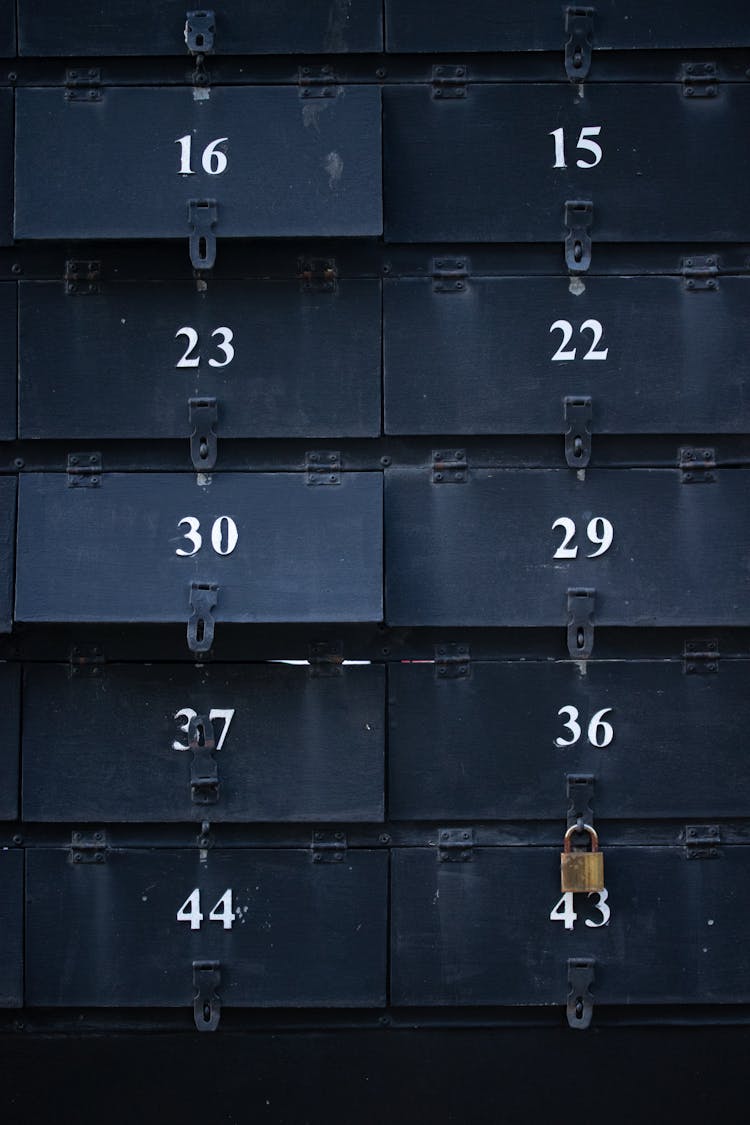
(581, 871)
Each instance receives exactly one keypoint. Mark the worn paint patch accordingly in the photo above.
(338, 18)
(203, 480)
(201, 94)
(334, 166)
(577, 286)
(312, 110)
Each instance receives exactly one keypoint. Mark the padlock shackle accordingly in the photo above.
(584, 828)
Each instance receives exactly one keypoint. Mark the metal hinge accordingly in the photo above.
(200, 32)
(699, 80)
(317, 275)
(579, 218)
(83, 84)
(82, 278)
(702, 841)
(326, 658)
(204, 769)
(700, 272)
(579, 31)
(89, 846)
(455, 845)
(200, 626)
(580, 1007)
(86, 660)
(84, 470)
(581, 605)
(317, 82)
(697, 465)
(449, 275)
(206, 1001)
(579, 788)
(700, 657)
(577, 413)
(449, 466)
(323, 466)
(452, 662)
(449, 81)
(202, 414)
(328, 846)
(203, 214)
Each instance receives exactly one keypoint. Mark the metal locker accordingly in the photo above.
(11, 928)
(10, 708)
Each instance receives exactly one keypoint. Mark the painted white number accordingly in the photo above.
(187, 713)
(599, 531)
(563, 910)
(213, 160)
(564, 353)
(583, 143)
(224, 345)
(600, 733)
(224, 535)
(190, 911)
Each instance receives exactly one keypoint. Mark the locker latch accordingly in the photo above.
(579, 29)
(202, 413)
(455, 845)
(200, 626)
(206, 1001)
(203, 215)
(581, 604)
(580, 1008)
(577, 412)
(204, 769)
(579, 217)
(579, 788)
(200, 32)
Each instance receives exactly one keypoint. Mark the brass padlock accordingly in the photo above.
(581, 871)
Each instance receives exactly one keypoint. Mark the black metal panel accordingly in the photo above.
(7, 29)
(109, 553)
(480, 932)
(516, 25)
(482, 359)
(124, 363)
(290, 745)
(482, 552)
(8, 349)
(7, 549)
(10, 709)
(481, 168)
(241, 27)
(6, 166)
(658, 742)
(11, 928)
(294, 166)
(303, 934)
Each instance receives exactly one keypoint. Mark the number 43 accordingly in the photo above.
(563, 910)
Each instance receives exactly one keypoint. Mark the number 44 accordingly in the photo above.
(190, 911)
(563, 910)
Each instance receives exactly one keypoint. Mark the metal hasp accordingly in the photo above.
(699, 80)
(455, 845)
(578, 413)
(200, 32)
(702, 841)
(579, 788)
(202, 413)
(580, 1008)
(579, 217)
(82, 278)
(452, 662)
(697, 464)
(449, 81)
(84, 470)
(203, 215)
(204, 769)
(701, 271)
(88, 847)
(449, 466)
(579, 31)
(328, 846)
(206, 1001)
(200, 627)
(701, 657)
(449, 275)
(581, 604)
